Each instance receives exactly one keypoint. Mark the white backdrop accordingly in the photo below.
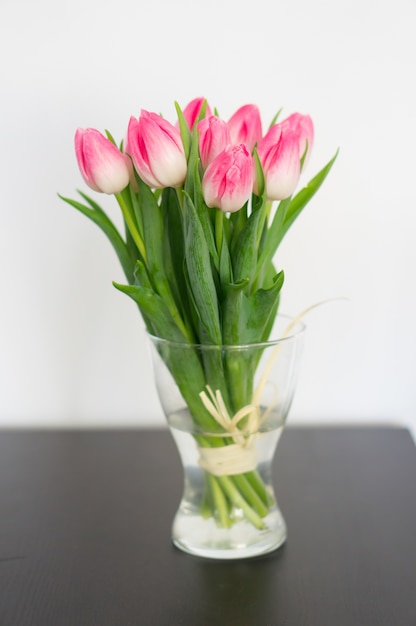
(72, 348)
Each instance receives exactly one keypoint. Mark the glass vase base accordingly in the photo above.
(202, 537)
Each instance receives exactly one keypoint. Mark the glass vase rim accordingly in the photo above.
(294, 335)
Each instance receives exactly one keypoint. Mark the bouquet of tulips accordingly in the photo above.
(206, 203)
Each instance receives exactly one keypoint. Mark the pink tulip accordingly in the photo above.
(156, 149)
(228, 180)
(245, 126)
(192, 111)
(279, 155)
(302, 125)
(214, 137)
(103, 167)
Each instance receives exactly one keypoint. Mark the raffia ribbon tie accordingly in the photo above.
(235, 458)
(215, 405)
(228, 460)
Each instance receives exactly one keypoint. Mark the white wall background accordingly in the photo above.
(72, 348)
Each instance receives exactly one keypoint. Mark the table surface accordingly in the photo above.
(85, 522)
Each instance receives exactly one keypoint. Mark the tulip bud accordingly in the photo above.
(228, 181)
(279, 155)
(102, 165)
(245, 126)
(193, 109)
(214, 137)
(302, 125)
(156, 149)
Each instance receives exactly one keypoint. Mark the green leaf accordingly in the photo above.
(259, 174)
(260, 310)
(204, 214)
(245, 256)
(287, 211)
(193, 161)
(246, 319)
(233, 319)
(275, 118)
(184, 130)
(153, 308)
(271, 240)
(141, 276)
(200, 276)
(135, 204)
(94, 205)
(202, 112)
(98, 216)
(153, 234)
(304, 195)
(303, 157)
(225, 269)
(110, 137)
(174, 255)
(131, 247)
(193, 187)
(237, 222)
(125, 203)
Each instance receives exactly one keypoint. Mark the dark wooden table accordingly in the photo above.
(85, 534)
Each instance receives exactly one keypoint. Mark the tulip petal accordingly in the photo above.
(193, 110)
(228, 180)
(214, 137)
(156, 149)
(302, 125)
(82, 153)
(279, 155)
(245, 126)
(102, 165)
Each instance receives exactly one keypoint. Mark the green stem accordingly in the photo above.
(258, 485)
(250, 494)
(219, 230)
(219, 501)
(237, 499)
(132, 226)
(179, 194)
(163, 288)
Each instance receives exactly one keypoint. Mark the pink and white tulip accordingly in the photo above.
(279, 155)
(214, 137)
(228, 181)
(302, 125)
(193, 110)
(245, 126)
(102, 165)
(156, 149)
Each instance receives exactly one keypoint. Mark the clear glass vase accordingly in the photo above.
(226, 407)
